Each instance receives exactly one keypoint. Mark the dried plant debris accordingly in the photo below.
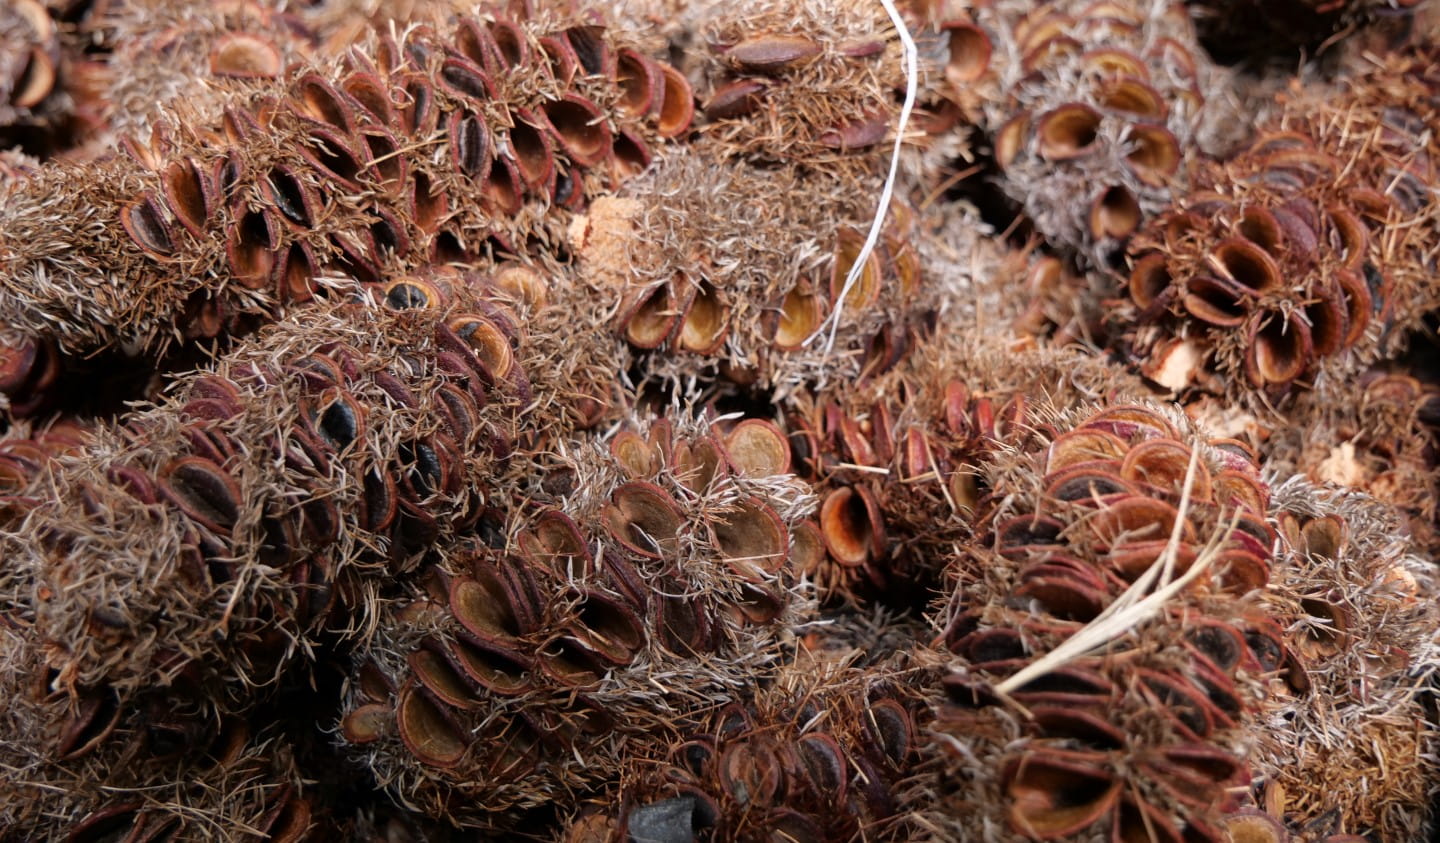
(1261, 32)
(514, 675)
(1305, 258)
(429, 145)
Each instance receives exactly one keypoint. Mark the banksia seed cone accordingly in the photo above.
(214, 533)
(1099, 111)
(1140, 740)
(816, 756)
(31, 94)
(1305, 258)
(89, 769)
(170, 58)
(651, 585)
(1378, 438)
(1354, 750)
(754, 262)
(803, 82)
(898, 463)
(438, 144)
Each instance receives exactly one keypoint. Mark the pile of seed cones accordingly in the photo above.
(635, 420)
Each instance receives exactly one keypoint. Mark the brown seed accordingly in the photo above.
(145, 222)
(800, 316)
(433, 669)
(36, 81)
(866, 289)
(366, 724)
(1133, 96)
(488, 343)
(1216, 301)
(1280, 350)
(1163, 464)
(1155, 156)
(240, 55)
(736, 98)
(203, 491)
(486, 605)
(580, 126)
(1010, 139)
(653, 318)
(704, 326)
(492, 666)
(772, 53)
(608, 627)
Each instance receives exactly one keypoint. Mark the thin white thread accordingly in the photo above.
(912, 73)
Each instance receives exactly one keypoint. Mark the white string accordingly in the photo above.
(912, 73)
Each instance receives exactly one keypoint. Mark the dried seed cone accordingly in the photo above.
(32, 94)
(1147, 732)
(803, 82)
(817, 755)
(1304, 259)
(1099, 113)
(1356, 752)
(215, 533)
(90, 769)
(752, 265)
(1377, 437)
(165, 53)
(444, 143)
(653, 584)
(898, 461)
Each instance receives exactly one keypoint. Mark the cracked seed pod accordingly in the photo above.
(751, 261)
(1353, 752)
(32, 95)
(646, 579)
(799, 81)
(87, 768)
(1302, 260)
(215, 533)
(816, 756)
(1099, 116)
(1146, 739)
(1261, 31)
(439, 145)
